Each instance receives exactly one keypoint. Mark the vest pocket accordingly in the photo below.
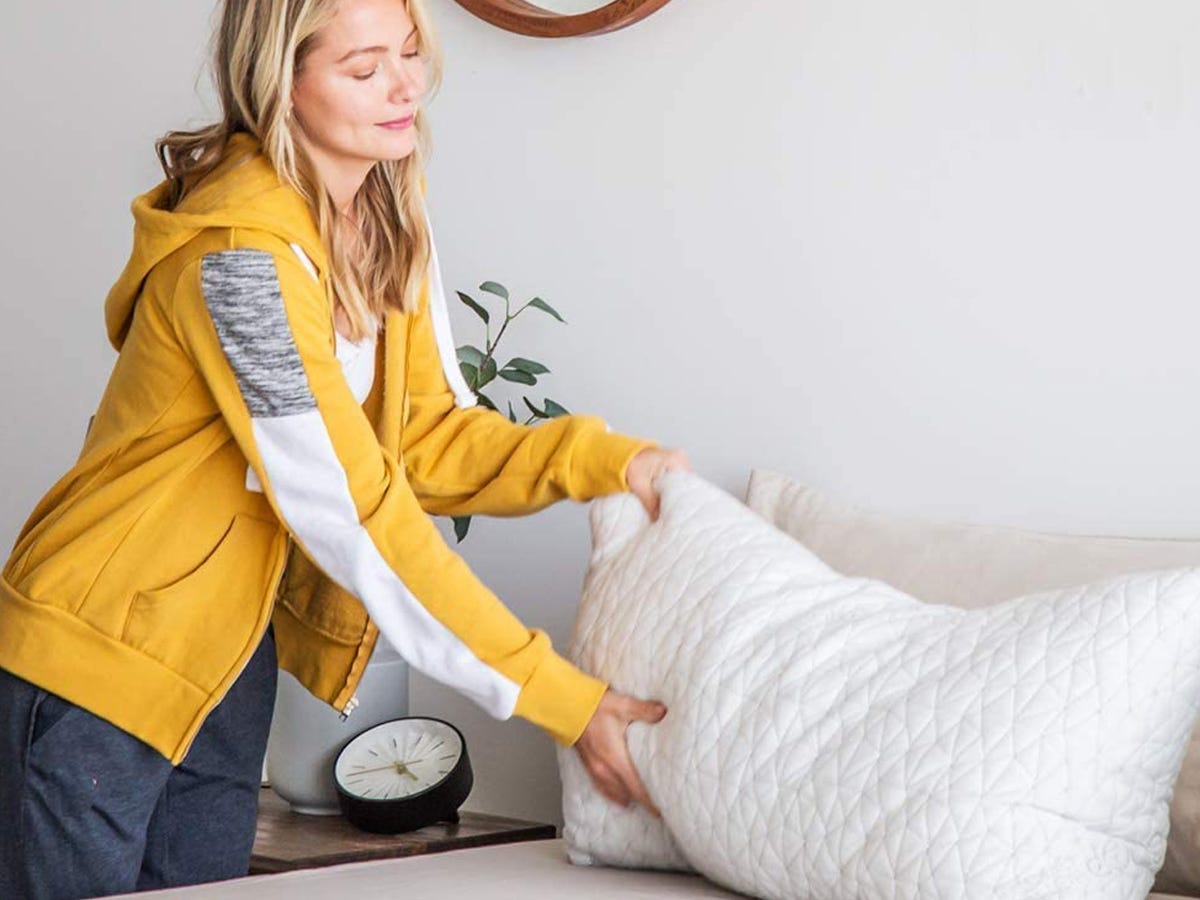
(198, 624)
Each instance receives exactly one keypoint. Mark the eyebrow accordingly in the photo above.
(378, 48)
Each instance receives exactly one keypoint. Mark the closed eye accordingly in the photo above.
(414, 55)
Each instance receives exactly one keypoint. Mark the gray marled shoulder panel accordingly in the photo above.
(241, 290)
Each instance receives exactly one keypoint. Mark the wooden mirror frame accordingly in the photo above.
(525, 18)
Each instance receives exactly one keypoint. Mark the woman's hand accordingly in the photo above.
(605, 754)
(645, 467)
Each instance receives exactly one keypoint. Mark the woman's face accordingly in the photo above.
(363, 70)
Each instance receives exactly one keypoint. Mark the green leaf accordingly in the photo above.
(526, 365)
(470, 373)
(537, 412)
(512, 416)
(461, 524)
(553, 409)
(493, 288)
(518, 376)
(546, 307)
(486, 401)
(469, 354)
(487, 374)
(479, 310)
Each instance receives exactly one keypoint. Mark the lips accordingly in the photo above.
(398, 123)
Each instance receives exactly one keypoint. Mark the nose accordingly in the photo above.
(408, 80)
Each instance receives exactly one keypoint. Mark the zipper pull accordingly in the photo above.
(348, 708)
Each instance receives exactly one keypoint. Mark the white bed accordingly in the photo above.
(529, 870)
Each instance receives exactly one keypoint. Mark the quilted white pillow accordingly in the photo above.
(830, 736)
(971, 565)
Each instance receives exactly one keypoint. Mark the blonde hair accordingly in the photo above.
(259, 47)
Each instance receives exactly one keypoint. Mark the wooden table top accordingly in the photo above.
(288, 840)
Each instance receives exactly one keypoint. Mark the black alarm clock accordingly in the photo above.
(403, 774)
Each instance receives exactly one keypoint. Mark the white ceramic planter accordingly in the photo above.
(307, 734)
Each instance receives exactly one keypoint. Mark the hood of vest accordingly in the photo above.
(243, 190)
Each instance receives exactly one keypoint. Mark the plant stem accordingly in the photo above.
(491, 345)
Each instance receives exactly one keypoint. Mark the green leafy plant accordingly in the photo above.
(479, 367)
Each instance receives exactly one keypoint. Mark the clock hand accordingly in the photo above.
(406, 762)
(395, 765)
(399, 767)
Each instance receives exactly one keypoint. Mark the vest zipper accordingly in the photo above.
(287, 554)
(353, 701)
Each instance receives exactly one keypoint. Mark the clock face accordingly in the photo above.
(398, 759)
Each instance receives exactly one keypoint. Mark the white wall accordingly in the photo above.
(930, 256)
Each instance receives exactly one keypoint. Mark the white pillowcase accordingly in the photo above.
(970, 565)
(831, 737)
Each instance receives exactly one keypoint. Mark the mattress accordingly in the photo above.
(531, 870)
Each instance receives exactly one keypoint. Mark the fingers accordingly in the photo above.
(652, 710)
(646, 711)
(677, 459)
(668, 461)
(609, 783)
(632, 782)
(607, 757)
(645, 471)
(643, 710)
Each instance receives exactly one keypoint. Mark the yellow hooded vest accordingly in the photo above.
(229, 479)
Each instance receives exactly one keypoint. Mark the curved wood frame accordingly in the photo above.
(525, 18)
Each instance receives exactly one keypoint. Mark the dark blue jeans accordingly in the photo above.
(89, 810)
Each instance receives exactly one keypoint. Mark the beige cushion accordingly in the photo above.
(975, 565)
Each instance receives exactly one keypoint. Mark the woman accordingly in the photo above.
(249, 495)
